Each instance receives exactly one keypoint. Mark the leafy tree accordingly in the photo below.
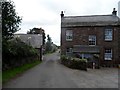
(49, 38)
(44, 37)
(14, 51)
(10, 20)
(48, 44)
(37, 31)
(16, 54)
(32, 31)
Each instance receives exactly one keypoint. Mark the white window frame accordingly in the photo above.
(93, 39)
(69, 35)
(69, 52)
(108, 54)
(108, 34)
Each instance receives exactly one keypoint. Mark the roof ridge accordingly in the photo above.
(89, 15)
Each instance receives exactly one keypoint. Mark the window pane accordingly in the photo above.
(92, 40)
(108, 54)
(69, 35)
(108, 34)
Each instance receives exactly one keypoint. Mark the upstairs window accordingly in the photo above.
(69, 35)
(92, 40)
(108, 34)
(108, 54)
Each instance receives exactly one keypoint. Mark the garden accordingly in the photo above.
(78, 63)
(74, 63)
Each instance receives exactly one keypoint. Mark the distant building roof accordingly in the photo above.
(35, 40)
(93, 20)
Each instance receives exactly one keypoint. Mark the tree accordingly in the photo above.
(49, 38)
(10, 20)
(44, 37)
(38, 31)
(48, 44)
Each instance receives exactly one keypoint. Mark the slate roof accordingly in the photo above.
(92, 20)
(35, 40)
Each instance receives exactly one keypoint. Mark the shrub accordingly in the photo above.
(16, 53)
(63, 57)
(74, 63)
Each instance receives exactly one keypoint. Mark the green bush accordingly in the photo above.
(63, 57)
(16, 53)
(74, 63)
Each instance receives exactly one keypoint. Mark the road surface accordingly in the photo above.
(51, 74)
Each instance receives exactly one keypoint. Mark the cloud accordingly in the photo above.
(46, 13)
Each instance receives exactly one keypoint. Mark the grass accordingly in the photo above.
(9, 74)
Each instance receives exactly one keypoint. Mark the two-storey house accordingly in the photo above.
(90, 36)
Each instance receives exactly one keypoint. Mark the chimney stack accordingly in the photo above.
(114, 13)
(62, 15)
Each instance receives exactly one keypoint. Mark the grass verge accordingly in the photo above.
(9, 74)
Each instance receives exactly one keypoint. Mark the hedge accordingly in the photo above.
(16, 53)
(74, 63)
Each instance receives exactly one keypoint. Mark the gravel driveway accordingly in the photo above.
(51, 74)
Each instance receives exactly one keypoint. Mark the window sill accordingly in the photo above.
(108, 59)
(108, 40)
(69, 40)
(92, 45)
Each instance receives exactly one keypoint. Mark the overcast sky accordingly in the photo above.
(46, 13)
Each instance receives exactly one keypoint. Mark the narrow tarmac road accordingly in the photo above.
(51, 74)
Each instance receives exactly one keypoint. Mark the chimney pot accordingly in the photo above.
(62, 15)
(113, 9)
(114, 13)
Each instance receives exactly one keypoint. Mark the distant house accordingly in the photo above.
(90, 36)
(54, 47)
(34, 40)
